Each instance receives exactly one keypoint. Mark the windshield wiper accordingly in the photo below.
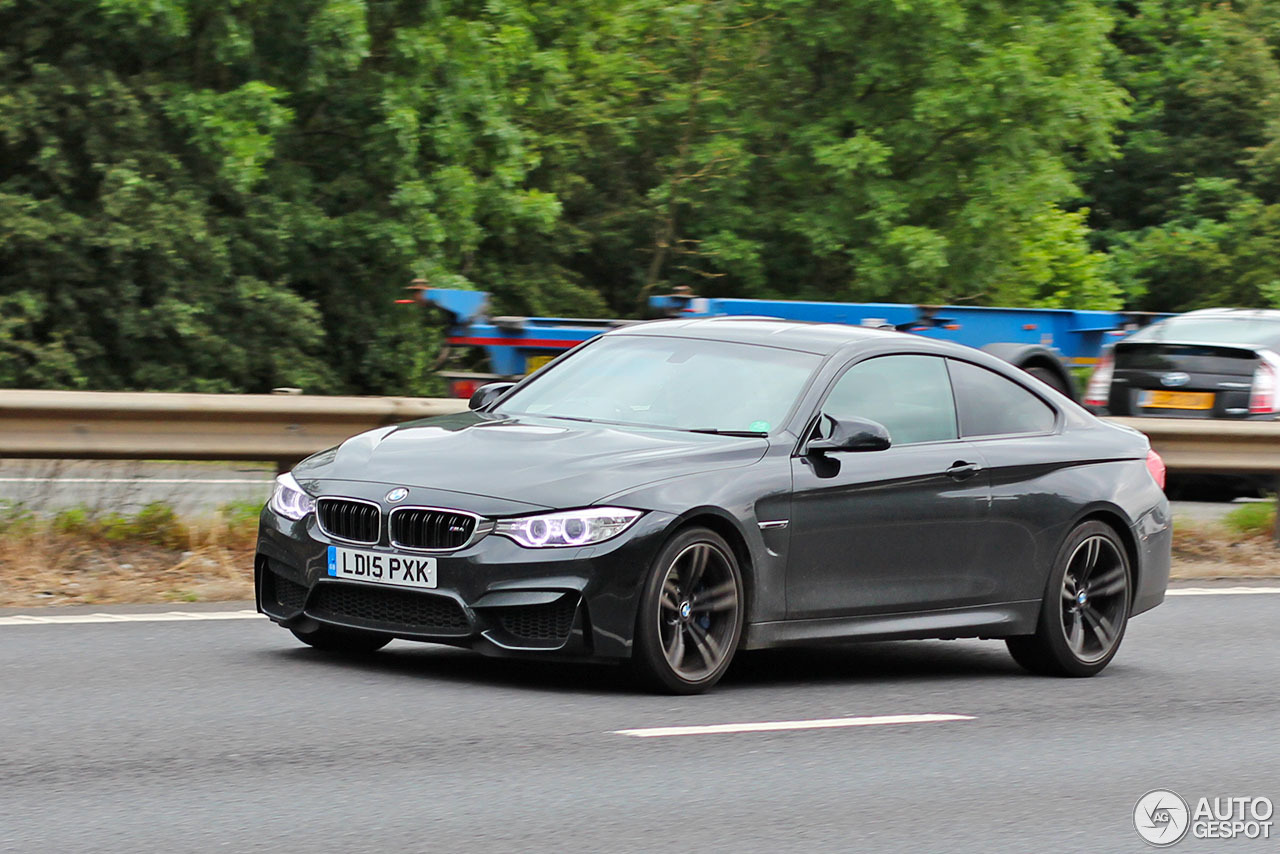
(716, 431)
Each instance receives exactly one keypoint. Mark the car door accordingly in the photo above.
(891, 530)
(1014, 430)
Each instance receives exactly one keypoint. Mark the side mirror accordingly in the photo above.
(487, 394)
(850, 434)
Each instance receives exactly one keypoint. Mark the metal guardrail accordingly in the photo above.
(1208, 446)
(155, 426)
(286, 428)
(1212, 445)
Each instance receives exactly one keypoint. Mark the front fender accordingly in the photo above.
(733, 502)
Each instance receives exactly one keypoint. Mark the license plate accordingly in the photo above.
(533, 363)
(382, 568)
(1176, 399)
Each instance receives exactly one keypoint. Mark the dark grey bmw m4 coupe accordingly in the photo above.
(675, 491)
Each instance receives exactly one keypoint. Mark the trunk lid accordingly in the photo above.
(1182, 380)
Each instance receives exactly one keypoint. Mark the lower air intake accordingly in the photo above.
(541, 623)
(388, 610)
(281, 597)
(289, 595)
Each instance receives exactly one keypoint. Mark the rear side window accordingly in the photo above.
(910, 395)
(991, 405)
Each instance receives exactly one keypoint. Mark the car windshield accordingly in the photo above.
(681, 383)
(1252, 331)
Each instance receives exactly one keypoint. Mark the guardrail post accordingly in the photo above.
(1275, 531)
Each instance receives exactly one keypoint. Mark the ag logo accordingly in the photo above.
(397, 494)
(1161, 817)
(1175, 379)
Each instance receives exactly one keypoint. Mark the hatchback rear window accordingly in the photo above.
(1251, 331)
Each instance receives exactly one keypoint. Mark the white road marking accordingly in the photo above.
(777, 726)
(137, 481)
(1220, 591)
(158, 617)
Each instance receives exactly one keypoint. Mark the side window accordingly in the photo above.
(991, 405)
(910, 395)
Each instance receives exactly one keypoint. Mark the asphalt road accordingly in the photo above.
(227, 735)
(125, 486)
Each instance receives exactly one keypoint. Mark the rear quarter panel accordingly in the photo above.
(1043, 486)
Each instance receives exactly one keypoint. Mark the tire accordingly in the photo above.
(1211, 487)
(690, 617)
(1051, 379)
(342, 641)
(1085, 608)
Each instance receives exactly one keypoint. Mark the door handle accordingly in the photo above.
(961, 470)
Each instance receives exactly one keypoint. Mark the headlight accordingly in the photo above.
(289, 500)
(569, 528)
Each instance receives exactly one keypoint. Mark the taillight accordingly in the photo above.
(1099, 389)
(1262, 394)
(1155, 465)
(463, 388)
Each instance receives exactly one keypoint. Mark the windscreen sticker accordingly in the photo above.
(759, 426)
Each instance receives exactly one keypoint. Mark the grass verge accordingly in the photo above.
(1239, 546)
(82, 557)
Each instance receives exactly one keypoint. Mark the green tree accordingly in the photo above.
(1188, 208)
(219, 195)
(227, 195)
(852, 150)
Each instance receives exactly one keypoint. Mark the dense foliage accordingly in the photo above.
(228, 195)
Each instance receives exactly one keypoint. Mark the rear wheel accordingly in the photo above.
(1085, 608)
(1051, 379)
(345, 641)
(690, 616)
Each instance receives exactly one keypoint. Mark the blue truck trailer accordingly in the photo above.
(1045, 342)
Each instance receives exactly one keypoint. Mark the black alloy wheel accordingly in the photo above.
(690, 617)
(1085, 609)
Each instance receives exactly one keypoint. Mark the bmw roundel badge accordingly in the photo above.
(397, 494)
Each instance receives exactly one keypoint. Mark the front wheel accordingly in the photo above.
(343, 641)
(1085, 609)
(690, 616)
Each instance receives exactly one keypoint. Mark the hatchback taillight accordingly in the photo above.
(1099, 388)
(1155, 465)
(1262, 394)
(463, 389)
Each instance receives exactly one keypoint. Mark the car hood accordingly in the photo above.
(535, 461)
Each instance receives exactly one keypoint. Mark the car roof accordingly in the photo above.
(1239, 313)
(806, 336)
(1262, 326)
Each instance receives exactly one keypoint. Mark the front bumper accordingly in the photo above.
(493, 596)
